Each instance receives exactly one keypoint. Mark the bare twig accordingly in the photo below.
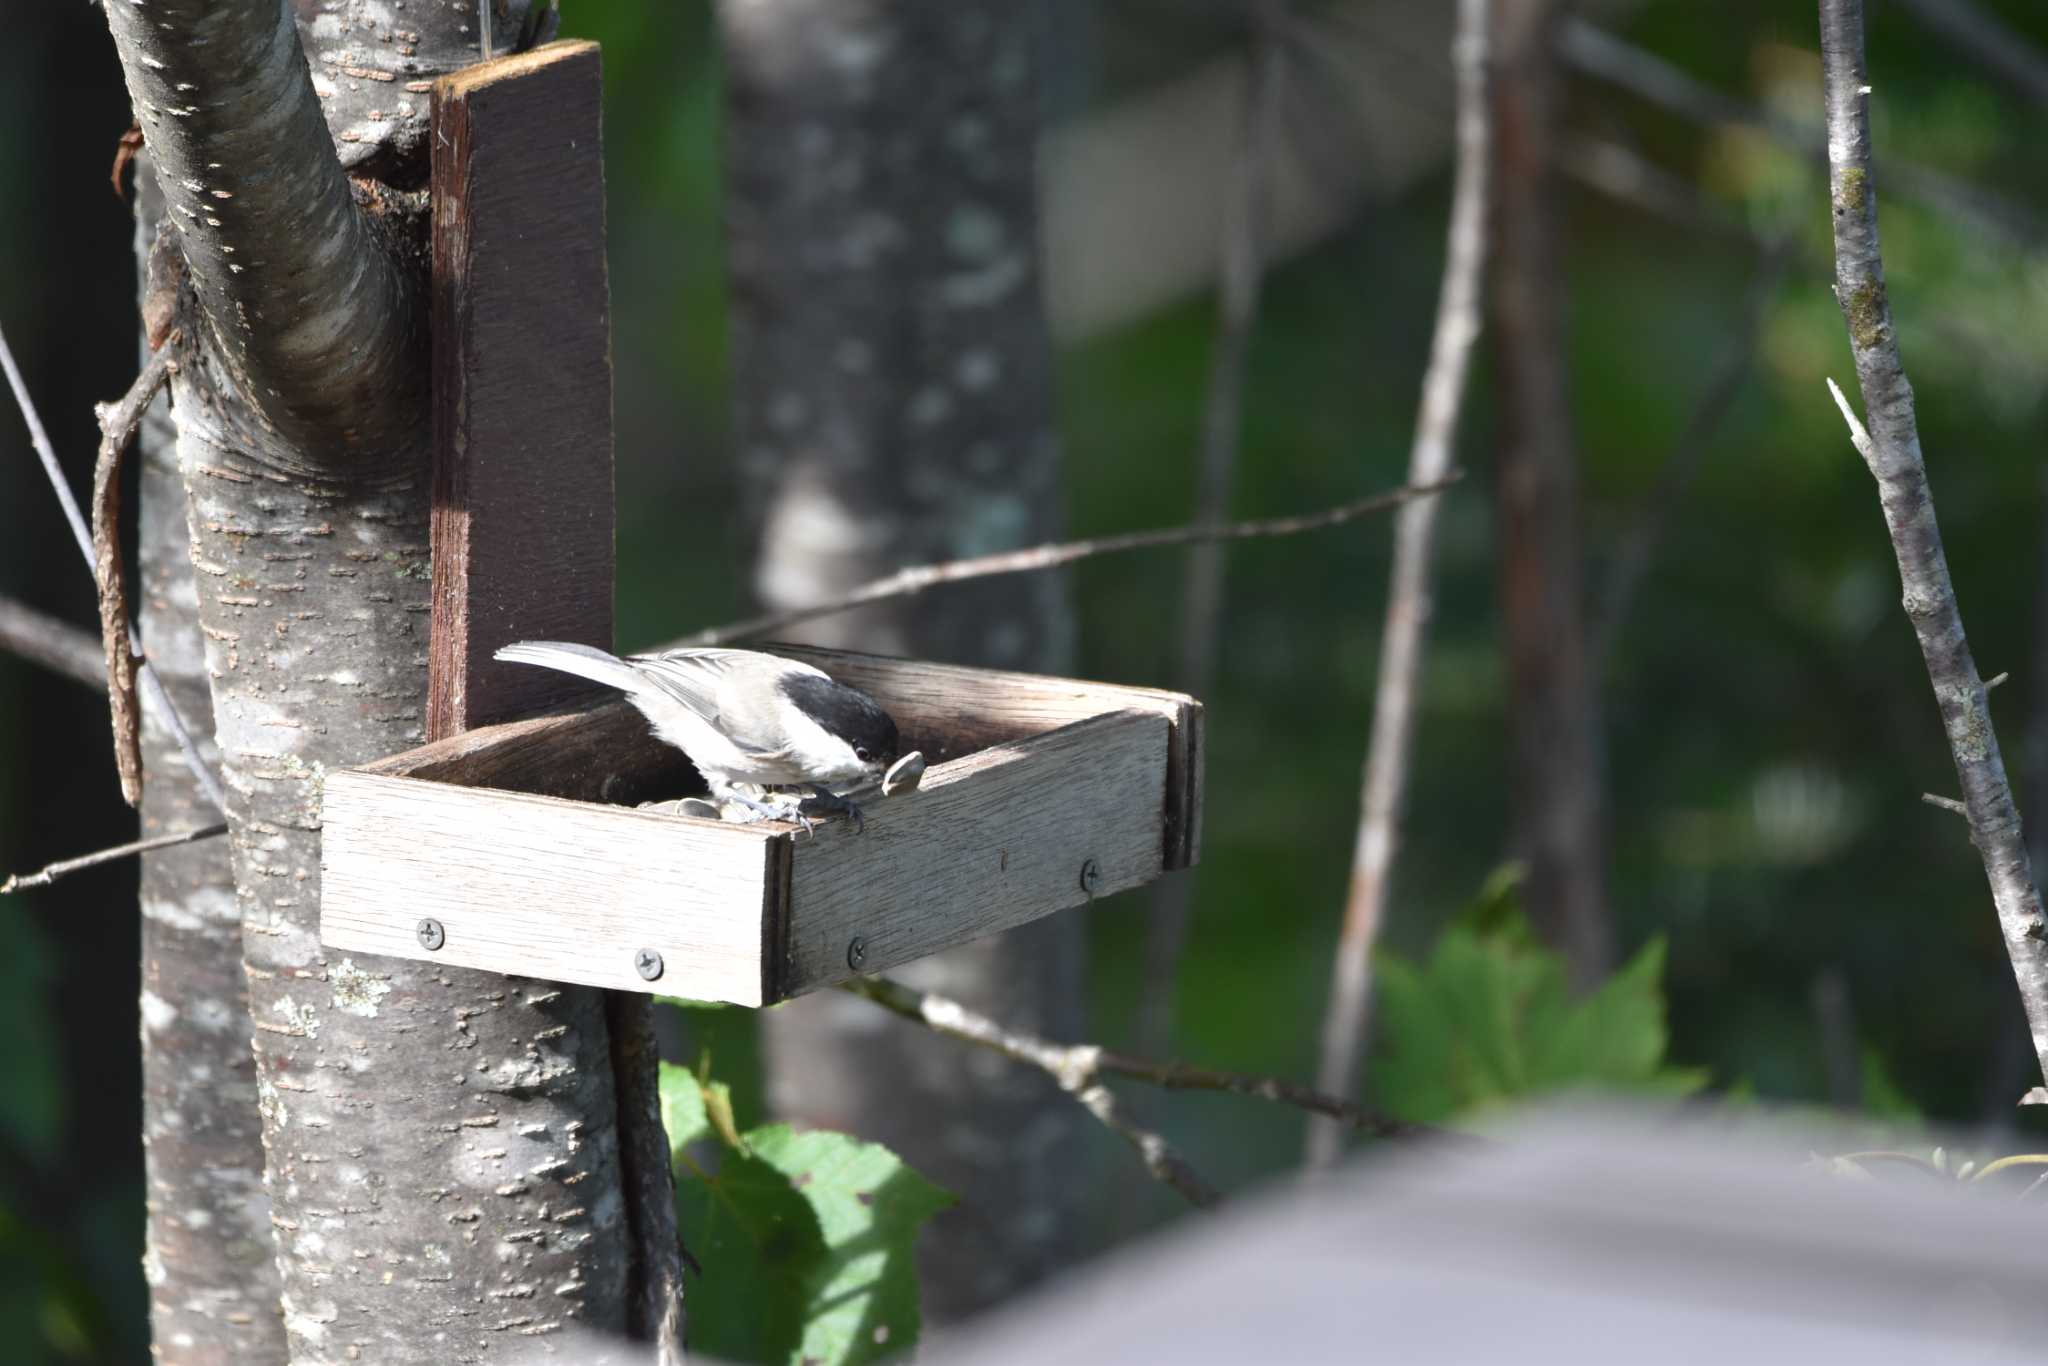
(56, 645)
(118, 425)
(1243, 269)
(1601, 55)
(1946, 804)
(1076, 1067)
(209, 781)
(1632, 556)
(1404, 637)
(1980, 36)
(1626, 176)
(1891, 448)
(43, 877)
(1079, 1069)
(917, 578)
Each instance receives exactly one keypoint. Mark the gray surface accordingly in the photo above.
(1587, 1239)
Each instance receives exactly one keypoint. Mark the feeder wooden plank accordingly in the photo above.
(989, 842)
(954, 709)
(552, 889)
(523, 513)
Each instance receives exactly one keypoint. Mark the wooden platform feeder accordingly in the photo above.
(514, 842)
(496, 848)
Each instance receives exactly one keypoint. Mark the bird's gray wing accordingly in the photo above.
(732, 690)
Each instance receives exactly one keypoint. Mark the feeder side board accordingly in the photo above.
(523, 515)
(602, 753)
(953, 709)
(990, 842)
(563, 891)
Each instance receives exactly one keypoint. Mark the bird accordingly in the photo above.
(744, 718)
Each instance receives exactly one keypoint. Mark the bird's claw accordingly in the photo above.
(832, 803)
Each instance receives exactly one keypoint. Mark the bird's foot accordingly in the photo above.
(831, 803)
(768, 811)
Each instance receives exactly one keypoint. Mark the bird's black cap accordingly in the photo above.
(846, 712)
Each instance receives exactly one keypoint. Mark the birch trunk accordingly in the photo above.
(441, 1150)
(213, 1286)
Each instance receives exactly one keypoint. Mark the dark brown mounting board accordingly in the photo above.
(523, 507)
(1043, 793)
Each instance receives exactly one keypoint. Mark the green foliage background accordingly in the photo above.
(1767, 721)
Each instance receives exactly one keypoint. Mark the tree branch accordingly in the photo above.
(1079, 1069)
(1891, 448)
(118, 425)
(208, 780)
(1593, 52)
(56, 645)
(1984, 39)
(917, 578)
(1076, 1068)
(1404, 636)
(315, 319)
(43, 877)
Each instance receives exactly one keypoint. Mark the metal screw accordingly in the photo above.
(431, 935)
(1091, 877)
(648, 964)
(856, 953)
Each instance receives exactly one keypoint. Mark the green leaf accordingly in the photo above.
(870, 1206)
(1490, 1018)
(806, 1239)
(761, 1251)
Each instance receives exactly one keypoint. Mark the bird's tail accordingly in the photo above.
(584, 661)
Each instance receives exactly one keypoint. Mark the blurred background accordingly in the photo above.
(1768, 730)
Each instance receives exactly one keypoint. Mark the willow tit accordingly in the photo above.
(744, 718)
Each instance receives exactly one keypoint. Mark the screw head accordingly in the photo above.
(1091, 877)
(430, 933)
(856, 952)
(648, 964)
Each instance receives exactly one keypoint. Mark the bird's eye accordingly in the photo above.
(862, 755)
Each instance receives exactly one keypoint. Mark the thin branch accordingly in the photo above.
(1946, 804)
(1404, 637)
(1079, 1069)
(118, 424)
(1245, 233)
(918, 578)
(43, 877)
(1596, 53)
(159, 697)
(1632, 557)
(269, 227)
(1983, 38)
(1626, 176)
(56, 645)
(1891, 448)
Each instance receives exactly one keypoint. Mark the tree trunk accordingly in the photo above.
(441, 1151)
(1555, 775)
(207, 1255)
(894, 407)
